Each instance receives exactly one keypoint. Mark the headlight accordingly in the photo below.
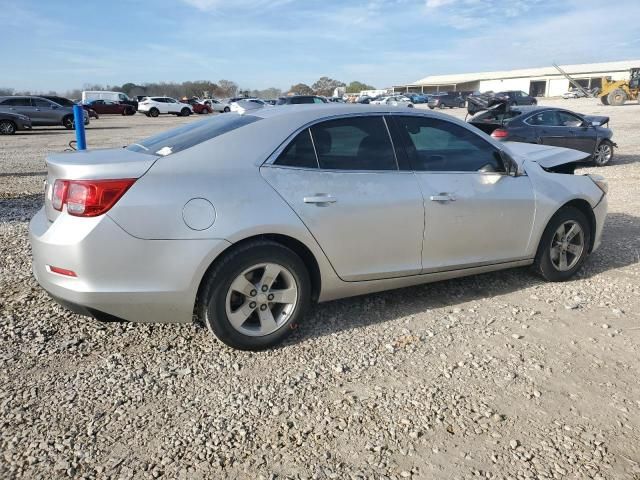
(600, 181)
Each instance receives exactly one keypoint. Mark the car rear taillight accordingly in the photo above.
(88, 198)
(500, 133)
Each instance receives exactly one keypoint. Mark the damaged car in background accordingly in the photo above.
(549, 126)
(245, 220)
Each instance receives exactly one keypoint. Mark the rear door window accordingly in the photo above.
(547, 118)
(299, 153)
(357, 143)
(440, 146)
(42, 103)
(17, 102)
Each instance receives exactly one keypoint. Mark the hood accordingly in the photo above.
(597, 120)
(544, 155)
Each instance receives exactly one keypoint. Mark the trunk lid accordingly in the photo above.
(101, 164)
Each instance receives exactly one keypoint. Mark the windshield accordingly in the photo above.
(181, 138)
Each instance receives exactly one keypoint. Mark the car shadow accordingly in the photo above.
(620, 248)
(619, 159)
(19, 208)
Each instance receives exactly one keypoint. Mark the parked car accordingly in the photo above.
(301, 99)
(246, 104)
(446, 100)
(108, 107)
(302, 205)
(198, 107)
(65, 102)
(117, 97)
(394, 101)
(217, 105)
(10, 123)
(549, 126)
(42, 112)
(416, 98)
(515, 97)
(154, 106)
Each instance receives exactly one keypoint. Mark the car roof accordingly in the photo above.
(306, 113)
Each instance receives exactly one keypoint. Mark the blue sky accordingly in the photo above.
(64, 44)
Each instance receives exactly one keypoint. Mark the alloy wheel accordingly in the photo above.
(7, 128)
(567, 246)
(603, 154)
(261, 299)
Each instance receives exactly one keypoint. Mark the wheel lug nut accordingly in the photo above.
(264, 288)
(252, 305)
(263, 307)
(270, 297)
(253, 293)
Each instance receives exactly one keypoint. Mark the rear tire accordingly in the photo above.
(222, 297)
(68, 123)
(617, 97)
(7, 127)
(556, 244)
(603, 154)
(154, 112)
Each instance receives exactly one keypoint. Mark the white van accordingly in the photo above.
(118, 97)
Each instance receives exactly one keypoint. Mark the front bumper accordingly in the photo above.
(118, 275)
(600, 214)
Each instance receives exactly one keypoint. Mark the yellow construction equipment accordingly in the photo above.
(618, 92)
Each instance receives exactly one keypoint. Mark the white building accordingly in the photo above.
(539, 82)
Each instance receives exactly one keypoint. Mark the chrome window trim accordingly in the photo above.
(550, 126)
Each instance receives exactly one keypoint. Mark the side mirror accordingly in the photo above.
(510, 165)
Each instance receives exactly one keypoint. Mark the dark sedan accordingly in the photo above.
(450, 100)
(549, 126)
(12, 122)
(106, 107)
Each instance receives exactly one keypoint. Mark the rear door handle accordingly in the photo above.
(321, 199)
(442, 197)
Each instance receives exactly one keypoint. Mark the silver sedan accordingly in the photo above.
(245, 220)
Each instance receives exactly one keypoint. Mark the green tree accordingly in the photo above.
(357, 87)
(301, 89)
(325, 86)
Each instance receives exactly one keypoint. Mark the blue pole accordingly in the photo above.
(78, 118)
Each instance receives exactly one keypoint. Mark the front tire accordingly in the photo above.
(617, 97)
(255, 296)
(68, 123)
(185, 112)
(227, 109)
(564, 245)
(7, 127)
(603, 154)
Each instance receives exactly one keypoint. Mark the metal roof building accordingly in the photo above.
(540, 82)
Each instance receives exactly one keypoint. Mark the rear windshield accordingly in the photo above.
(496, 116)
(181, 138)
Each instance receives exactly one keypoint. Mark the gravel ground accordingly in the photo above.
(499, 376)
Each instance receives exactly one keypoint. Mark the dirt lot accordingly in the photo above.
(499, 376)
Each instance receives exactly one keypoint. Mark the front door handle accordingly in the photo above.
(320, 199)
(442, 197)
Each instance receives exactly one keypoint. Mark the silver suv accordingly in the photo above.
(42, 112)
